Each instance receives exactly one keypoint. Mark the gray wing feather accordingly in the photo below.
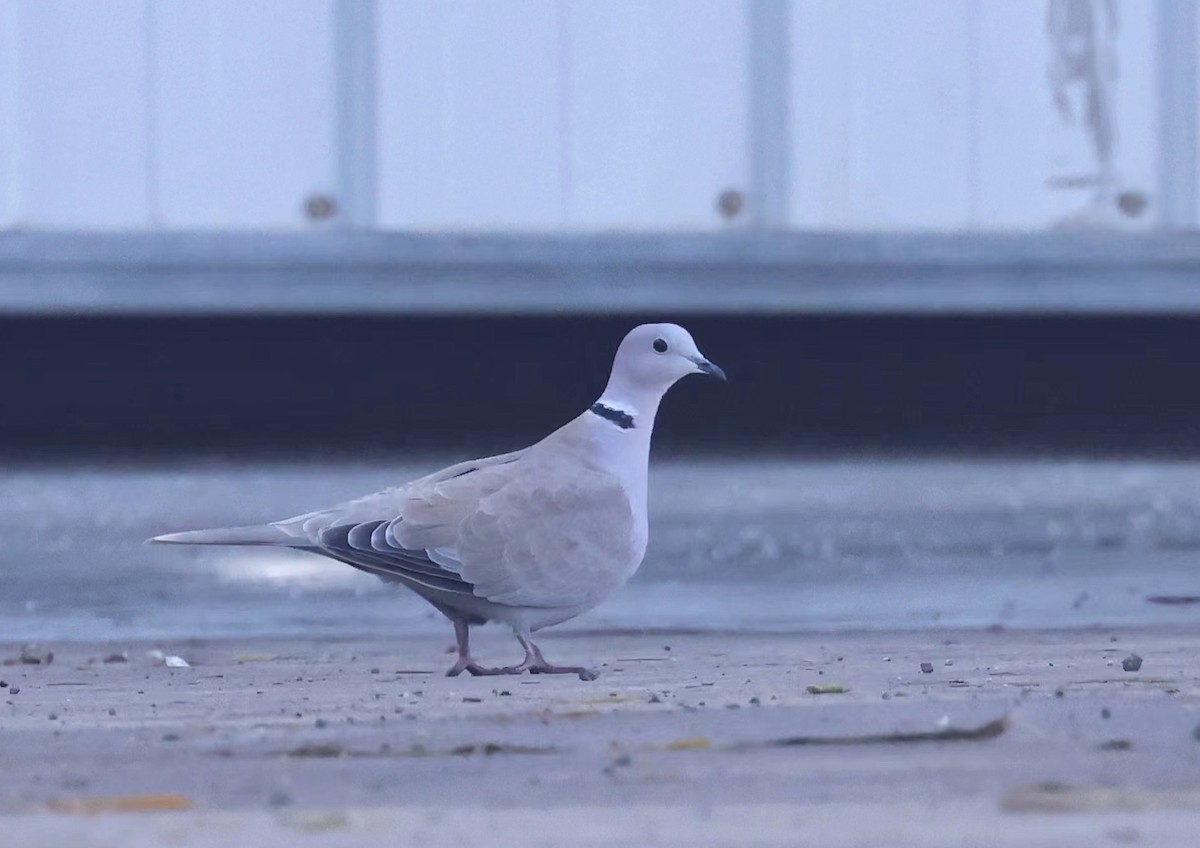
(354, 544)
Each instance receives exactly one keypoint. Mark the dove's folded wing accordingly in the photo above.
(549, 540)
(362, 532)
(523, 534)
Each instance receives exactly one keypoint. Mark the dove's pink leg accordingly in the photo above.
(535, 663)
(462, 633)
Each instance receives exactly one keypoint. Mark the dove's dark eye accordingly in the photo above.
(660, 345)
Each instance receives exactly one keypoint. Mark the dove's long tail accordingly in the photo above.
(254, 534)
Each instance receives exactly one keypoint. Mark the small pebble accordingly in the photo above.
(112, 711)
(14, 690)
(755, 702)
(1105, 713)
(170, 737)
(3, 684)
(1131, 663)
(320, 723)
(53, 716)
(622, 761)
(1196, 733)
(927, 667)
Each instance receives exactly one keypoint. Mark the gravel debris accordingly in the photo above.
(1131, 663)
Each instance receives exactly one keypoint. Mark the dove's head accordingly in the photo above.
(652, 357)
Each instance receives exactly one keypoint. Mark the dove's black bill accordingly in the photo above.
(711, 369)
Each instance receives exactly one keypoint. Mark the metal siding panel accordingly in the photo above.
(471, 113)
(1137, 113)
(658, 112)
(822, 133)
(881, 114)
(1016, 117)
(1033, 163)
(10, 150)
(356, 73)
(768, 118)
(245, 120)
(1177, 91)
(82, 113)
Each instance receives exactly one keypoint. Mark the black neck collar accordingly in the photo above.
(616, 416)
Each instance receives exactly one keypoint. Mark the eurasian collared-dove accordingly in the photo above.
(529, 538)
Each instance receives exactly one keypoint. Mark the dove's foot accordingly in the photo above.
(473, 668)
(462, 634)
(535, 663)
(476, 670)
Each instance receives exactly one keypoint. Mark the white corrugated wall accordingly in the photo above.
(544, 115)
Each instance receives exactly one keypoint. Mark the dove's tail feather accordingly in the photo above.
(254, 534)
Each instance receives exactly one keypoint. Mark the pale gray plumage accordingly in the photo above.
(529, 538)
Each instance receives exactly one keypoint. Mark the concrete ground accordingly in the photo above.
(1009, 738)
(313, 709)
